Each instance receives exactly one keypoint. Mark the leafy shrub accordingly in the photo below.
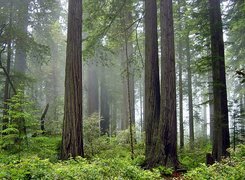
(91, 134)
(78, 168)
(230, 168)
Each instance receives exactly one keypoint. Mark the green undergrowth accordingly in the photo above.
(40, 161)
(232, 168)
(110, 160)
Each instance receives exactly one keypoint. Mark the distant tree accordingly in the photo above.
(180, 64)
(93, 89)
(104, 104)
(190, 97)
(72, 135)
(20, 65)
(221, 137)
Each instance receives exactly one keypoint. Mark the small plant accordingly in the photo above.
(21, 121)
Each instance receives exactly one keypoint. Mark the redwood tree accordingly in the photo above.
(168, 121)
(221, 139)
(152, 85)
(72, 135)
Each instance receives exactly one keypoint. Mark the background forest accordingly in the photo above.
(122, 89)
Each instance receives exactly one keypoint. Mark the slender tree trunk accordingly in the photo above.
(130, 108)
(190, 101)
(180, 53)
(9, 54)
(168, 121)
(221, 136)
(152, 84)
(124, 109)
(72, 135)
(55, 79)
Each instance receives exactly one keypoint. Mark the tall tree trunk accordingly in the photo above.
(124, 109)
(55, 80)
(72, 135)
(130, 92)
(221, 139)
(168, 121)
(190, 101)
(9, 54)
(180, 53)
(152, 84)
(93, 90)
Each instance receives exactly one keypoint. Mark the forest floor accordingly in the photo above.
(108, 158)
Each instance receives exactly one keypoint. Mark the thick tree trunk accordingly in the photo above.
(72, 135)
(152, 85)
(168, 123)
(221, 139)
(190, 101)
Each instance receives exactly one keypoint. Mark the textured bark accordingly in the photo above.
(93, 89)
(152, 85)
(211, 107)
(167, 152)
(72, 135)
(221, 139)
(190, 101)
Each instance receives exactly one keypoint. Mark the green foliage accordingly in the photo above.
(111, 163)
(192, 158)
(92, 133)
(21, 121)
(165, 171)
(230, 168)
